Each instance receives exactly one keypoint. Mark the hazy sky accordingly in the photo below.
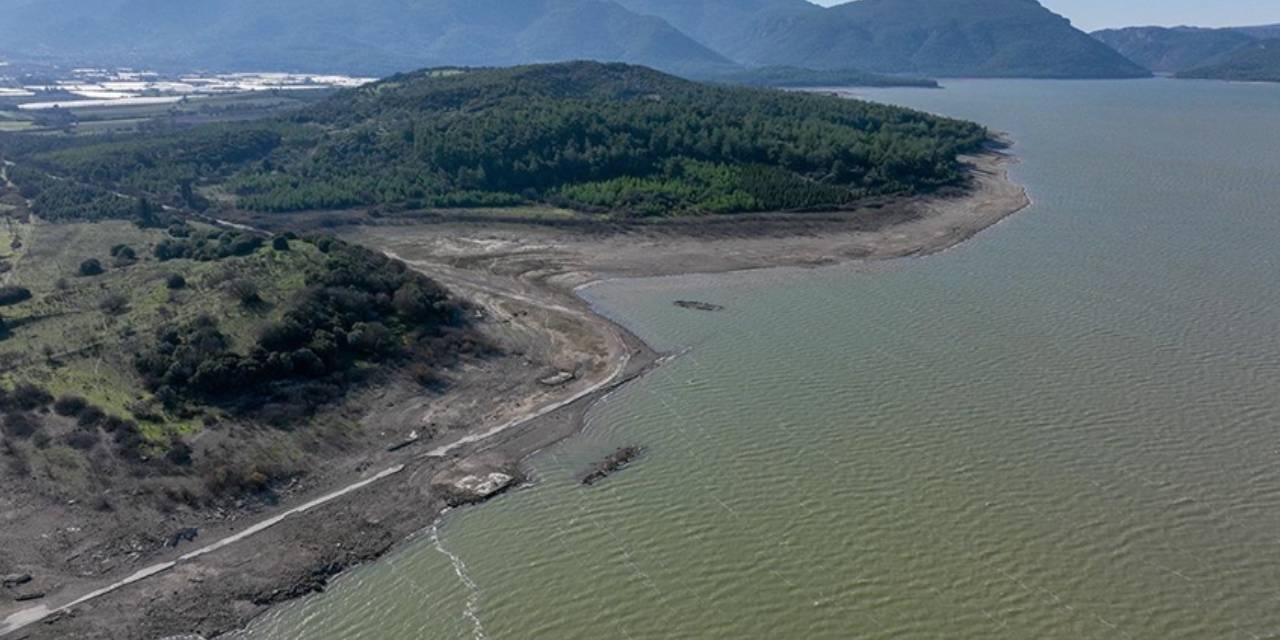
(1096, 14)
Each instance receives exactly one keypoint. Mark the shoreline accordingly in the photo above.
(511, 266)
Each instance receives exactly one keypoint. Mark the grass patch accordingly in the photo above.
(67, 340)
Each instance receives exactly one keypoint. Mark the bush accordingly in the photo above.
(246, 291)
(280, 243)
(179, 454)
(70, 406)
(91, 417)
(13, 295)
(128, 439)
(20, 425)
(91, 267)
(175, 281)
(82, 439)
(27, 397)
(124, 255)
(114, 304)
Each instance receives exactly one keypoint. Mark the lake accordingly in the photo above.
(1066, 428)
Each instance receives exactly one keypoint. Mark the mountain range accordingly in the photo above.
(694, 38)
(1179, 50)
(377, 37)
(950, 38)
(1256, 62)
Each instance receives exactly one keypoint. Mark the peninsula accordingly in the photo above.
(217, 336)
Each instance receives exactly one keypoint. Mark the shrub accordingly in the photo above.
(246, 291)
(175, 281)
(20, 425)
(124, 255)
(91, 267)
(179, 453)
(280, 243)
(91, 417)
(129, 440)
(13, 295)
(114, 304)
(82, 439)
(27, 397)
(70, 406)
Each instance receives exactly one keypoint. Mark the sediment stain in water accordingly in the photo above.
(1065, 428)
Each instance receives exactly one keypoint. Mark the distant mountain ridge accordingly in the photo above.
(693, 38)
(1256, 62)
(989, 38)
(381, 37)
(1178, 49)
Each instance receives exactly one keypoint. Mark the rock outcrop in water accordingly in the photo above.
(698, 306)
(614, 463)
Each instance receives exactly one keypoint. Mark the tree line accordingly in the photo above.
(624, 139)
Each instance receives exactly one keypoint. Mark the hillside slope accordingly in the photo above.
(721, 24)
(1261, 32)
(381, 37)
(602, 138)
(1010, 38)
(1170, 50)
(1257, 62)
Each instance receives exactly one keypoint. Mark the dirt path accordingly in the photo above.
(33, 615)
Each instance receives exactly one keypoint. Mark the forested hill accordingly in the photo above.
(1257, 62)
(603, 137)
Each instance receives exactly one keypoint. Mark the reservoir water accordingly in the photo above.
(1066, 428)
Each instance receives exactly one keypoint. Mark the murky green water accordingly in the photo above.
(1068, 428)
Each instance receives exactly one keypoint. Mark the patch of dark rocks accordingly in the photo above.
(615, 462)
(698, 306)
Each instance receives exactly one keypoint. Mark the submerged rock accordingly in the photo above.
(698, 306)
(611, 465)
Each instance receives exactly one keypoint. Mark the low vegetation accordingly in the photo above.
(195, 371)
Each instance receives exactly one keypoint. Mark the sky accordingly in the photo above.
(1098, 14)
